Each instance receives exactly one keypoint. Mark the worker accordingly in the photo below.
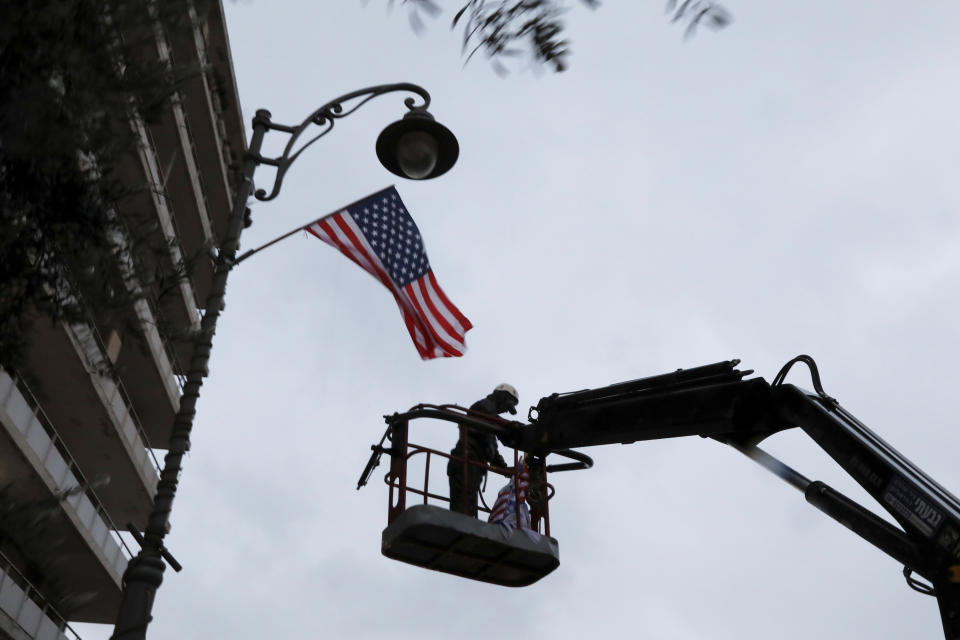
(481, 448)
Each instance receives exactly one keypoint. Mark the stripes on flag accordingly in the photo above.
(510, 510)
(507, 496)
(379, 235)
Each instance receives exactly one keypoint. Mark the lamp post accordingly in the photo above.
(416, 147)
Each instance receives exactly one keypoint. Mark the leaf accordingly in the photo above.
(459, 14)
(430, 7)
(719, 18)
(416, 23)
(682, 10)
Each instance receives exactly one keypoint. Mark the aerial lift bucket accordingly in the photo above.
(434, 537)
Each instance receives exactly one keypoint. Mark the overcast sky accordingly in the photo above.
(785, 186)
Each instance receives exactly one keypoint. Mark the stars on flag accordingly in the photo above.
(379, 235)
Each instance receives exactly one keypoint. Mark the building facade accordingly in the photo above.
(85, 418)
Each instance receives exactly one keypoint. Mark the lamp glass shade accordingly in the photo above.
(417, 147)
(417, 154)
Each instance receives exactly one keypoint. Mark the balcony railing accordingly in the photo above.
(27, 607)
(97, 352)
(158, 175)
(66, 473)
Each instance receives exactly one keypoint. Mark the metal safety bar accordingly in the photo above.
(401, 451)
(393, 481)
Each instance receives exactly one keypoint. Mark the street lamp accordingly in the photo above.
(416, 147)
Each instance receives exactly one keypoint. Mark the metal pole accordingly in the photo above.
(145, 572)
(398, 470)
(786, 473)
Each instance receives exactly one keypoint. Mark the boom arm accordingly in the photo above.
(716, 401)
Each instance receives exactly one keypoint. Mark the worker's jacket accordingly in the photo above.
(481, 445)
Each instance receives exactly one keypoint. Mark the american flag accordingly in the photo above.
(510, 510)
(379, 235)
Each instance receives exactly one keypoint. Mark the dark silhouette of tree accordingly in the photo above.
(71, 74)
(503, 28)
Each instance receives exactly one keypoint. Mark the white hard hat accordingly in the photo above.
(509, 388)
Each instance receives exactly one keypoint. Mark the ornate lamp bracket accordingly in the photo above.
(325, 117)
